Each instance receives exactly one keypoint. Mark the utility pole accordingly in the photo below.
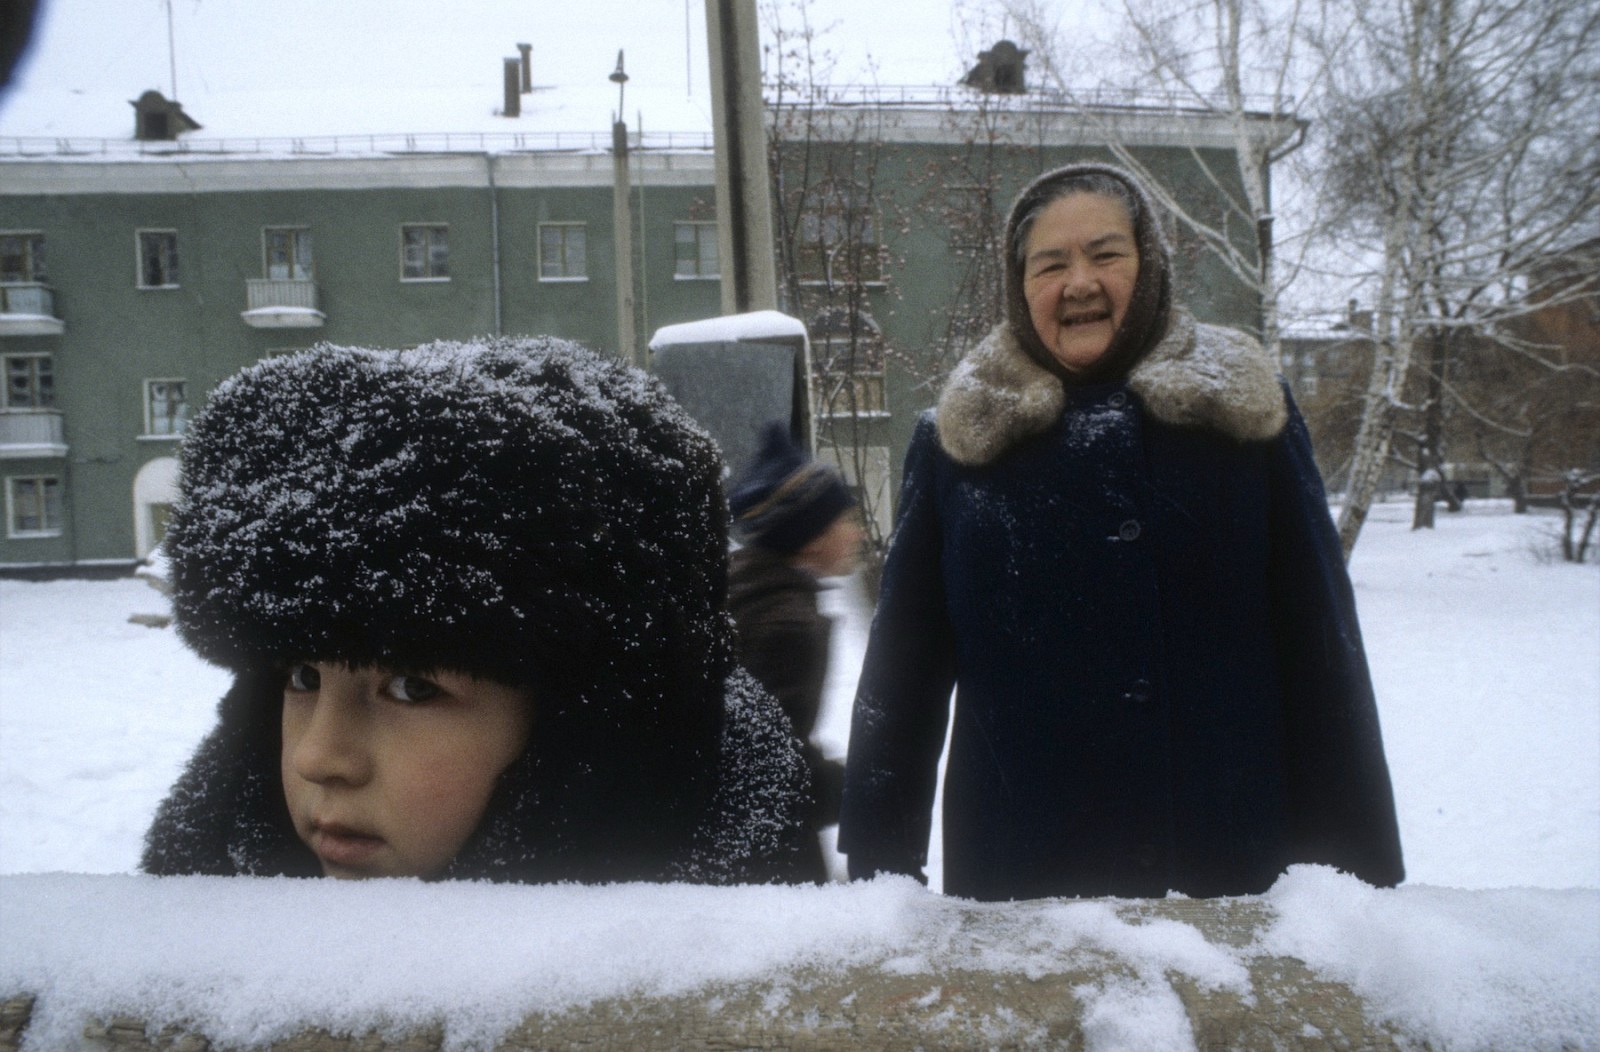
(622, 222)
(744, 201)
(172, 52)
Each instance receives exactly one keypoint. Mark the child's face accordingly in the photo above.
(386, 774)
(835, 551)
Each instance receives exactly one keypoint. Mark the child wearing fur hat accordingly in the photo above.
(799, 522)
(473, 597)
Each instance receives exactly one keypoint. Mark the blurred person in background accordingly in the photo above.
(799, 523)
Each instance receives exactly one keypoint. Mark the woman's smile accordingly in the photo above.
(1079, 269)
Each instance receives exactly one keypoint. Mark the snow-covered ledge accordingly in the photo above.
(1320, 961)
(284, 318)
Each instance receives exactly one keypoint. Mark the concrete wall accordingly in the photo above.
(1288, 1006)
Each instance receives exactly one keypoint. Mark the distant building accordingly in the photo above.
(1327, 363)
(1520, 418)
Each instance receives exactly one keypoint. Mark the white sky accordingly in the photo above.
(249, 68)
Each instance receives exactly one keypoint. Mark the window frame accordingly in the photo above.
(427, 253)
(37, 271)
(182, 421)
(42, 494)
(699, 227)
(175, 272)
(864, 383)
(854, 213)
(563, 225)
(39, 405)
(294, 254)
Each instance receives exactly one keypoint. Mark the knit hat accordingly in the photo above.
(1149, 306)
(477, 508)
(784, 499)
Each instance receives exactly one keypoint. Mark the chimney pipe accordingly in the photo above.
(527, 67)
(513, 107)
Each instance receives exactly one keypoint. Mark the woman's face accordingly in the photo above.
(388, 774)
(1079, 266)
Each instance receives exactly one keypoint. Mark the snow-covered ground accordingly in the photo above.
(1486, 655)
(1487, 660)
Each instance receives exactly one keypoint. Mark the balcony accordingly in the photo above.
(29, 309)
(32, 433)
(281, 303)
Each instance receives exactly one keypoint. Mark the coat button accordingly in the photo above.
(1117, 400)
(1129, 531)
(1138, 692)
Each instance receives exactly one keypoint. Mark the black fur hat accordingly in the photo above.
(520, 510)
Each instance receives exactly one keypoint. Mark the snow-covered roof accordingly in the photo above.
(730, 328)
(307, 68)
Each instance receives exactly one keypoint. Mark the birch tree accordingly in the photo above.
(1464, 151)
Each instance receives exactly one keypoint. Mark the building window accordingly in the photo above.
(848, 377)
(695, 250)
(425, 252)
(166, 410)
(22, 258)
(563, 251)
(838, 240)
(33, 506)
(288, 253)
(158, 259)
(30, 382)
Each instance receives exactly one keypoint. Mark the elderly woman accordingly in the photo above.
(1114, 544)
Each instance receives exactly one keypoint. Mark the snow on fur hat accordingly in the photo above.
(472, 507)
(784, 499)
(479, 508)
(1149, 308)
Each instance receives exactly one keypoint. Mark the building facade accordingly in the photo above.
(135, 277)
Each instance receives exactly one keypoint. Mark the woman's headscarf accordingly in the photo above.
(1151, 303)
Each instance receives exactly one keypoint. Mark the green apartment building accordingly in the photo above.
(136, 274)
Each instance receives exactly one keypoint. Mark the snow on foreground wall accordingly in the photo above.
(247, 961)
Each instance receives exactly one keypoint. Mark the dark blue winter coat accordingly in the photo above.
(1138, 594)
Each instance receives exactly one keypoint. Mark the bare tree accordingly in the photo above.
(1463, 149)
(1239, 64)
(830, 213)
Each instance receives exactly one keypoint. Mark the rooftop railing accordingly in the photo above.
(917, 96)
(906, 96)
(343, 145)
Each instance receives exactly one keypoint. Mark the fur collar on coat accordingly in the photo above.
(1198, 376)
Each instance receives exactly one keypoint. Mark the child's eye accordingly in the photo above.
(413, 689)
(304, 677)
